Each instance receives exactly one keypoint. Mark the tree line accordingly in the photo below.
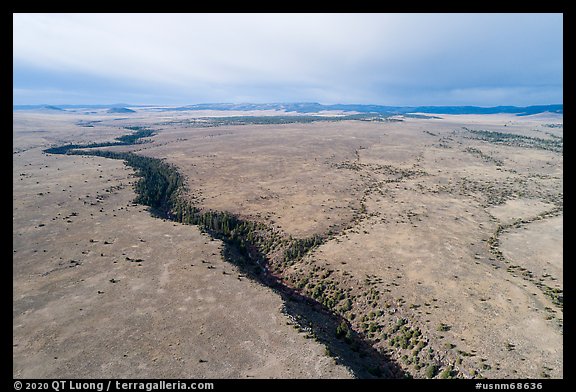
(160, 186)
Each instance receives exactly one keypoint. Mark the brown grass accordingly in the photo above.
(415, 208)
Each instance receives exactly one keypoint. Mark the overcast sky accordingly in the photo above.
(387, 59)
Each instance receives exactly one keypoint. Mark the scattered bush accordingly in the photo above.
(431, 370)
(446, 373)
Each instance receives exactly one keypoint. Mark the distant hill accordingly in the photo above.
(38, 107)
(519, 111)
(120, 110)
(64, 107)
(50, 107)
(313, 107)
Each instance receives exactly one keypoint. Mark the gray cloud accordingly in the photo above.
(483, 59)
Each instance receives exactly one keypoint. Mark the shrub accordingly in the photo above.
(342, 330)
(446, 373)
(431, 370)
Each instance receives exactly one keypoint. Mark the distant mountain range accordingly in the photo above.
(64, 107)
(37, 107)
(314, 107)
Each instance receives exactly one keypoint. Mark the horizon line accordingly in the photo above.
(278, 103)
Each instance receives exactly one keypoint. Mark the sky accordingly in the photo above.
(385, 59)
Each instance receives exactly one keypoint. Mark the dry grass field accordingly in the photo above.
(443, 247)
(104, 290)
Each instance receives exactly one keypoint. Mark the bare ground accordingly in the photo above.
(104, 290)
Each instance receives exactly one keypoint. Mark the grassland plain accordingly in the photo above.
(102, 289)
(422, 220)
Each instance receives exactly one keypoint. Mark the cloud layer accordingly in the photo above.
(394, 59)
